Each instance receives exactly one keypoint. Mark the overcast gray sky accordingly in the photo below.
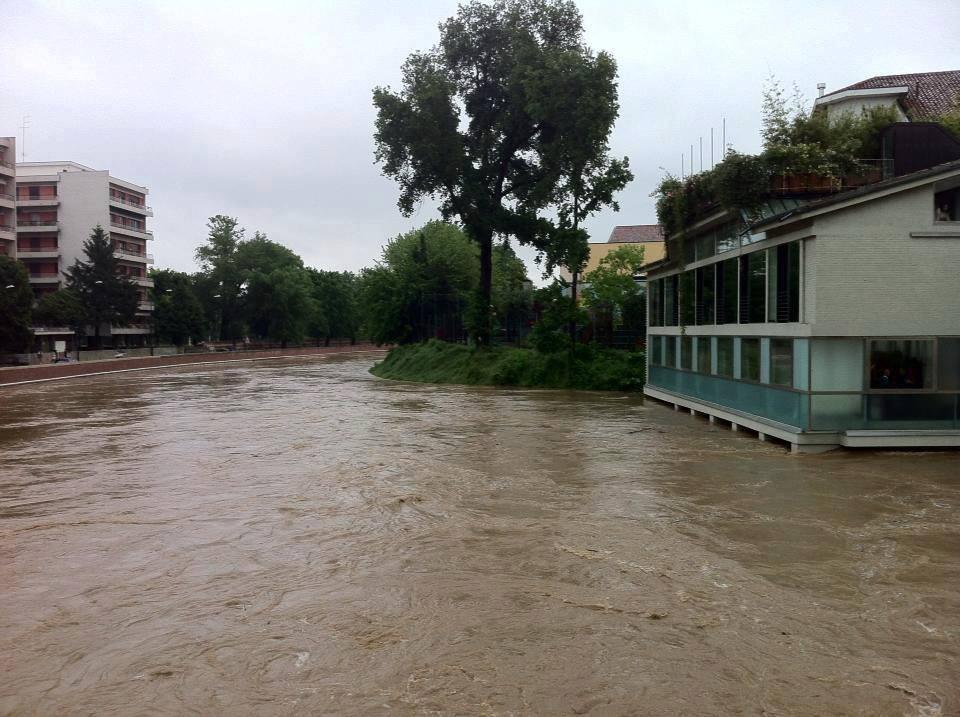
(263, 110)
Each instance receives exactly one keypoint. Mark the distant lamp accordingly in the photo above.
(10, 286)
(216, 296)
(98, 282)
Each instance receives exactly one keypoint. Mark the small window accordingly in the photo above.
(671, 359)
(656, 351)
(34, 192)
(947, 206)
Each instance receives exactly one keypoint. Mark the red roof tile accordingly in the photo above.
(635, 233)
(929, 94)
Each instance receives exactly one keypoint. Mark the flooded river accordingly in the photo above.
(297, 537)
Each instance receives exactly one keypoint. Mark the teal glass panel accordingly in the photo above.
(775, 404)
(836, 412)
(911, 411)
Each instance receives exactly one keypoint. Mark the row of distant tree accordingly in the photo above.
(424, 286)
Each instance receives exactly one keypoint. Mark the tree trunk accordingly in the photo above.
(573, 318)
(485, 328)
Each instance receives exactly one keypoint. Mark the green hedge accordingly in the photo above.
(591, 368)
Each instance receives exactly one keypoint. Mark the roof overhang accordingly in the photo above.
(859, 196)
(860, 94)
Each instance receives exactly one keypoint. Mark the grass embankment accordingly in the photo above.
(591, 368)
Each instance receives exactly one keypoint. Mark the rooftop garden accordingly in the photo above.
(803, 154)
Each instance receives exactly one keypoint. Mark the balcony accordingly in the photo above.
(8, 232)
(7, 168)
(36, 225)
(38, 253)
(142, 281)
(145, 306)
(128, 255)
(116, 228)
(38, 201)
(47, 278)
(8, 200)
(131, 206)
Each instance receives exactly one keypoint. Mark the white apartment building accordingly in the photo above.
(58, 204)
(8, 189)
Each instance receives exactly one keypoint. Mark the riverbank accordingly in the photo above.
(591, 369)
(31, 374)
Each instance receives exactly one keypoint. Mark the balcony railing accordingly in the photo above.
(6, 195)
(37, 222)
(130, 204)
(129, 228)
(5, 163)
(6, 228)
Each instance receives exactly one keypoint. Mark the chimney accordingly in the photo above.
(821, 86)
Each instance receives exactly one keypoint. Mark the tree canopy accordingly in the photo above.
(16, 300)
(105, 296)
(501, 120)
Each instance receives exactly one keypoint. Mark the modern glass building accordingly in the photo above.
(829, 323)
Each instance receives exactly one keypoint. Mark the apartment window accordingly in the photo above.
(706, 245)
(783, 285)
(705, 294)
(686, 353)
(725, 356)
(753, 284)
(901, 364)
(781, 362)
(35, 192)
(671, 353)
(727, 237)
(750, 359)
(687, 299)
(703, 354)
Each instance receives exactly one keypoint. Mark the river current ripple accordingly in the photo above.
(299, 537)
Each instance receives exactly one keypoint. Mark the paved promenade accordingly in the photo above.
(50, 372)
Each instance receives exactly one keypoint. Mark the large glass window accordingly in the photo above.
(670, 301)
(836, 364)
(725, 356)
(948, 364)
(705, 294)
(726, 291)
(703, 354)
(727, 237)
(655, 287)
(706, 246)
(753, 284)
(656, 351)
(783, 285)
(686, 352)
(671, 353)
(781, 362)
(687, 299)
(750, 359)
(901, 364)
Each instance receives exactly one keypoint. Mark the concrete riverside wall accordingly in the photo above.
(66, 370)
(130, 353)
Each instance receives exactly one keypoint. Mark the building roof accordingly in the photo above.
(929, 94)
(635, 234)
(902, 182)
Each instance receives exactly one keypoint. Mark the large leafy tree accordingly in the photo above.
(335, 294)
(221, 283)
(59, 308)
(491, 120)
(421, 287)
(16, 300)
(105, 296)
(178, 313)
(277, 300)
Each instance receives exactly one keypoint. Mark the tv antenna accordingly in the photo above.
(23, 137)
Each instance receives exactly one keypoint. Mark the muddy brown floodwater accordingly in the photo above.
(298, 537)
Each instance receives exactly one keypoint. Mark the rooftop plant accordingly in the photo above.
(795, 142)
